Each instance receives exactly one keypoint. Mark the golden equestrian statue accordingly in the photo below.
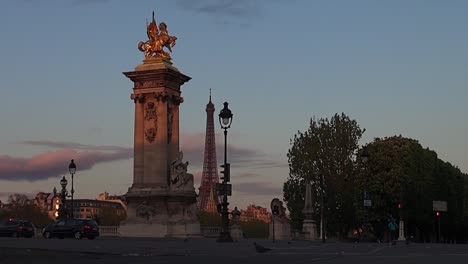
(157, 40)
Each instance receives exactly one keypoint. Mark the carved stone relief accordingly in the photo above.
(170, 116)
(145, 211)
(140, 98)
(150, 111)
(150, 134)
(151, 119)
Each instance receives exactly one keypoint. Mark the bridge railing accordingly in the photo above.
(109, 231)
(210, 231)
(113, 231)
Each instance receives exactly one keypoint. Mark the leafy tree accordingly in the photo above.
(20, 207)
(400, 170)
(327, 149)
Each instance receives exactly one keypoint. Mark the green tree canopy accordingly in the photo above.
(400, 170)
(327, 148)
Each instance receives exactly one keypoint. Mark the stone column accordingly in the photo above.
(138, 145)
(401, 230)
(159, 170)
(309, 228)
(174, 142)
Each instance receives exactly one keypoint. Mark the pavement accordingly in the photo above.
(203, 250)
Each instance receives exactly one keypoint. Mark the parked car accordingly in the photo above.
(17, 228)
(72, 227)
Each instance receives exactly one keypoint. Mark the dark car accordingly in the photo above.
(73, 227)
(17, 228)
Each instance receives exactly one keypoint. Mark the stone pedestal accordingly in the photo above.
(280, 229)
(309, 230)
(401, 231)
(162, 200)
(309, 227)
(236, 233)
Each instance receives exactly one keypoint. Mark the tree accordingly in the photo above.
(327, 149)
(401, 171)
(20, 207)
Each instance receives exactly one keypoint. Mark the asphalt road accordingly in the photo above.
(134, 250)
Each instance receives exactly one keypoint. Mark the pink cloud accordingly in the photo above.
(55, 163)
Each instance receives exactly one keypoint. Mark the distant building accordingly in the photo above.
(83, 208)
(254, 212)
(113, 198)
(48, 202)
(89, 208)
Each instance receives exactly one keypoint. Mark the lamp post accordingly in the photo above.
(322, 205)
(225, 120)
(72, 170)
(367, 201)
(63, 197)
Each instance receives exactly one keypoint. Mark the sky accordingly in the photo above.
(397, 67)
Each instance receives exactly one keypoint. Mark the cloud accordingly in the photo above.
(233, 8)
(72, 145)
(193, 147)
(54, 163)
(88, 2)
(257, 188)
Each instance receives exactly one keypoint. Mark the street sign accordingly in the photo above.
(367, 203)
(439, 206)
(224, 189)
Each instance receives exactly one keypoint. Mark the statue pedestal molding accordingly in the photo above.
(309, 227)
(160, 215)
(280, 229)
(236, 233)
(309, 230)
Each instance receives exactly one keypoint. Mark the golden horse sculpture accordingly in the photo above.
(157, 40)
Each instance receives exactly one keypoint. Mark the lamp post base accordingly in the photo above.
(224, 237)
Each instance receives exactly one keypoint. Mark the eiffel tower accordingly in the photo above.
(210, 167)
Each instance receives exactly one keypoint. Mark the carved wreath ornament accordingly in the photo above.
(150, 114)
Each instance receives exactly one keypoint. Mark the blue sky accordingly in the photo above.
(397, 67)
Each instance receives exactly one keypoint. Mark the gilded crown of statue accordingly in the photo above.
(158, 38)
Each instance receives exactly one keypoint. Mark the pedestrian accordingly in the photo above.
(392, 226)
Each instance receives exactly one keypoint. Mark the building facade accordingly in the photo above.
(83, 208)
(89, 208)
(254, 212)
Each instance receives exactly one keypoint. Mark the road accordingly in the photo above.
(200, 250)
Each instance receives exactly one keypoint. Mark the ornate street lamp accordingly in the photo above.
(225, 120)
(63, 197)
(72, 170)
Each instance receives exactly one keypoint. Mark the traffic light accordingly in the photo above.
(399, 206)
(437, 214)
(226, 172)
